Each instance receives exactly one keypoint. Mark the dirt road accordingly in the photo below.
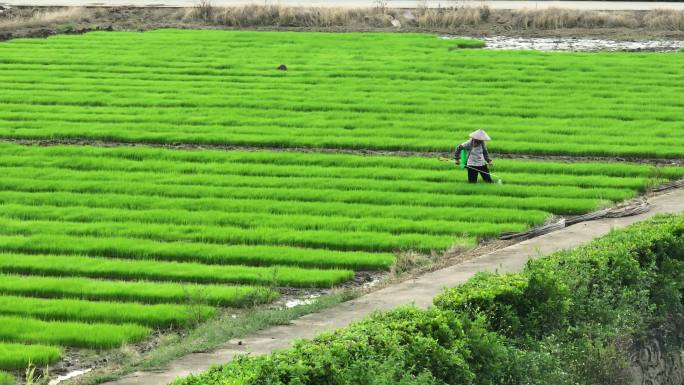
(501, 4)
(418, 291)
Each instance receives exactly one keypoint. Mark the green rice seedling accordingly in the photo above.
(7, 379)
(112, 312)
(134, 291)
(188, 238)
(255, 219)
(85, 224)
(86, 335)
(575, 186)
(154, 159)
(555, 205)
(169, 271)
(534, 102)
(341, 209)
(256, 255)
(320, 165)
(18, 356)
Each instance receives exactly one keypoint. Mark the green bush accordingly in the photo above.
(422, 347)
(516, 305)
(562, 321)
(499, 297)
(630, 280)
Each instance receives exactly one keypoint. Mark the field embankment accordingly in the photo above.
(469, 21)
(572, 317)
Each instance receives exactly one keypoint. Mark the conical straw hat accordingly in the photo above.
(480, 135)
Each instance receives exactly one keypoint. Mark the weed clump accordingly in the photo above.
(469, 43)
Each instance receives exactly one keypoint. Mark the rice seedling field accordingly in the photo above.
(117, 240)
(370, 91)
(102, 245)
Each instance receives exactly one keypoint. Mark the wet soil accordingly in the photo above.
(577, 44)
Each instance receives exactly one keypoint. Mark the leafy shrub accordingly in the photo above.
(515, 304)
(566, 319)
(499, 297)
(423, 347)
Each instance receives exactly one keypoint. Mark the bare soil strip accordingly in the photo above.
(418, 291)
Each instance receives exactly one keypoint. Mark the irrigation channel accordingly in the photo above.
(419, 291)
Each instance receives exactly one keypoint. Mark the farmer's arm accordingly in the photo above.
(457, 153)
(461, 147)
(486, 154)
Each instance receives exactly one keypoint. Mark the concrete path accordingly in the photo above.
(494, 4)
(419, 291)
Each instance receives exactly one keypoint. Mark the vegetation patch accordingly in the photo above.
(211, 334)
(468, 43)
(100, 246)
(568, 318)
(78, 334)
(134, 291)
(126, 240)
(18, 356)
(108, 86)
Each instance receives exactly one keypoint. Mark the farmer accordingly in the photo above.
(477, 156)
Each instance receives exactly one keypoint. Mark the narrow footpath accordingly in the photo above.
(418, 291)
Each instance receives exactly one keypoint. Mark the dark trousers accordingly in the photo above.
(474, 170)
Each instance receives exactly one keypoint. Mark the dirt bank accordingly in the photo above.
(478, 22)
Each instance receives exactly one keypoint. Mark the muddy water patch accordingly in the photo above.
(579, 44)
(301, 301)
(68, 376)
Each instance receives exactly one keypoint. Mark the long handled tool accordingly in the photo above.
(463, 165)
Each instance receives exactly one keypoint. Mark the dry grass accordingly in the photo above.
(204, 11)
(423, 18)
(451, 17)
(43, 18)
(409, 261)
(555, 18)
(664, 20)
(35, 21)
(281, 16)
